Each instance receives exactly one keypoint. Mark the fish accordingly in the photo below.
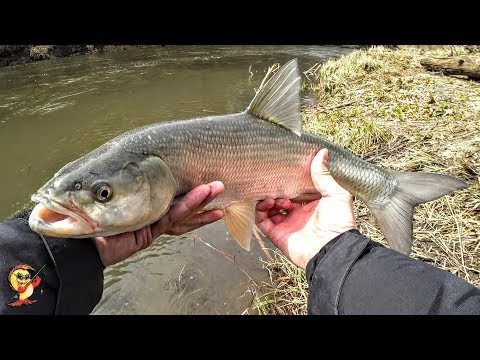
(132, 180)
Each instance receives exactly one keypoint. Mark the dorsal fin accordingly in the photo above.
(278, 100)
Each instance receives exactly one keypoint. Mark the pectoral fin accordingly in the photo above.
(240, 218)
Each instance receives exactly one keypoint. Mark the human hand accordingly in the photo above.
(182, 217)
(304, 230)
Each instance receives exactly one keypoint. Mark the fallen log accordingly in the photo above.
(453, 66)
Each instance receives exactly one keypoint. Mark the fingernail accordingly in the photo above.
(213, 183)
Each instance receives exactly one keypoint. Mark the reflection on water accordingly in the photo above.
(52, 112)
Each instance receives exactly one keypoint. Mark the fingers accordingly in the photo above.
(278, 217)
(216, 188)
(143, 238)
(195, 200)
(261, 215)
(270, 204)
(191, 204)
(283, 204)
(265, 205)
(116, 248)
(319, 164)
(195, 222)
(266, 226)
(322, 179)
(274, 209)
(268, 213)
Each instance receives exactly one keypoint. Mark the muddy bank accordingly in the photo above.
(15, 54)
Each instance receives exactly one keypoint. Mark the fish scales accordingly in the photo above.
(240, 148)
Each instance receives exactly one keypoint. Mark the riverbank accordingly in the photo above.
(16, 54)
(384, 106)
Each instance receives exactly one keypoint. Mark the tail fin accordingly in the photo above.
(395, 218)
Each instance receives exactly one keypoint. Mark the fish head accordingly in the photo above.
(103, 196)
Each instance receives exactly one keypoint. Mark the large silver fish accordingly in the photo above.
(132, 180)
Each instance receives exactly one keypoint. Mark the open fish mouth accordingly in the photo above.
(53, 218)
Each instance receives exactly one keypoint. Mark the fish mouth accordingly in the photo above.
(51, 217)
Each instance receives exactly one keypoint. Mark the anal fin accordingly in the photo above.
(240, 218)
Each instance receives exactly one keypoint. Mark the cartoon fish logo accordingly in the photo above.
(21, 281)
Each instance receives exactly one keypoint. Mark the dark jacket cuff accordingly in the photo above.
(328, 267)
(80, 272)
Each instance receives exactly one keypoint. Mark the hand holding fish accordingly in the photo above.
(303, 230)
(182, 217)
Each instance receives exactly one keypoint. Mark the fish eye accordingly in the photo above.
(78, 185)
(102, 191)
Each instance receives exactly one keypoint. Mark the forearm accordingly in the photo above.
(355, 275)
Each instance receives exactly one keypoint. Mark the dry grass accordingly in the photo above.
(385, 107)
(287, 291)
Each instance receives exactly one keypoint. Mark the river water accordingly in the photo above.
(52, 112)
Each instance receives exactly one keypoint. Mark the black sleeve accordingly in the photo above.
(355, 275)
(70, 272)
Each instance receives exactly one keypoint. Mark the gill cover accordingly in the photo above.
(133, 207)
(162, 186)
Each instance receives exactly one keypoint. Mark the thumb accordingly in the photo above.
(322, 179)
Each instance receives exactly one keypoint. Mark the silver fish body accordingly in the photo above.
(255, 159)
(259, 153)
